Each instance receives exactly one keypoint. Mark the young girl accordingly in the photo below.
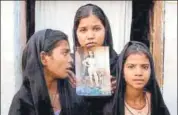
(91, 28)
(46, 62)
(137, 90)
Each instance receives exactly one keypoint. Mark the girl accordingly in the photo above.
(46, 62)
(137, 90)
(91, 28)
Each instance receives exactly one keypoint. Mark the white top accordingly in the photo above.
(57, 112)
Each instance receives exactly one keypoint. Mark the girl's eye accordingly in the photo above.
(131, 66)
(145, 67)
(96, 28)
(83, 30)
(65, 53)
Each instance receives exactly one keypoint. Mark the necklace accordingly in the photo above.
(139, 112)
(53, 98)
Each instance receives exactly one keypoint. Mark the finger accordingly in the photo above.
(71, 76)
(70, 79)
(73, 84)
(112, 92)
(113, 83)
(114, 88)
(112, 78)
(71, 73)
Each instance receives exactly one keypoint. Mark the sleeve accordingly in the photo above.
(97, 105)
(107, 109)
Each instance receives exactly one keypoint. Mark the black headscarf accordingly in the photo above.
(33, 97)
(158, 106)
(96, 104)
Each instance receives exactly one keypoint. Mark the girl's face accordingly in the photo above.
(90, 32)
(137, 70)
(58, 63)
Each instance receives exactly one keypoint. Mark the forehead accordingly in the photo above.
(62, 45)
(137, 58)
(90, 20)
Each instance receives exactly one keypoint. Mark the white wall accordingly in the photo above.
(7, 55)
(60, 15)
(12, 43)
(170, 57)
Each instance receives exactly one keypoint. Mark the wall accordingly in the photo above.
(170, 57)
(7, 55)
(13, 37)
(60, 15)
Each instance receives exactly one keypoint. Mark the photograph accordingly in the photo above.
(92, 71)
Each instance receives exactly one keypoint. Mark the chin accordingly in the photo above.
(64, 76)
(140, 87)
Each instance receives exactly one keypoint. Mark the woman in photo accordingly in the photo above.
(90, 63)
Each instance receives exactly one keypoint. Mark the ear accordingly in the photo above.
(44, 58)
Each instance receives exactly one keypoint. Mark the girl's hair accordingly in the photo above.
(136, 49)
(52, 38)
(87, 10)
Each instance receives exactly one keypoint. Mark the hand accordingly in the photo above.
(72, 79)
(113, 84)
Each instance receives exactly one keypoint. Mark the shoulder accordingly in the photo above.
(21, 103)
(148, 94)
